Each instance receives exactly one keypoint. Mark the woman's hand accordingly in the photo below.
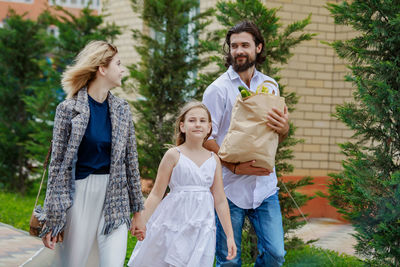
(49, 242)
(230, 243)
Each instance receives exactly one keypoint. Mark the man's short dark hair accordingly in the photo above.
(249, 27)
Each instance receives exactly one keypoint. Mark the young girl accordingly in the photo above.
(181, 230)
(93, 185)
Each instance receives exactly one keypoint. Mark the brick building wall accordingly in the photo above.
(33, 8)
(121, 13)
(315, 73)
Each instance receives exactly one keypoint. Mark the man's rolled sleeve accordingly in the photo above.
(214, 100)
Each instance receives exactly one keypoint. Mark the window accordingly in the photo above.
(93, 4)
(53, 30)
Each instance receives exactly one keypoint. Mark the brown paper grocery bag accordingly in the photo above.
(249, 137)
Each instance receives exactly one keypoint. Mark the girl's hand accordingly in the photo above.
(48, 241)
(138, 227)
(140, 234)
(230, 243)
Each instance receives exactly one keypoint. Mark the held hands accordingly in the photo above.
(230, 243)
(279, 121)
(49, 242)
(138, 227)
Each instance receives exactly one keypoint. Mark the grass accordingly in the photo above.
(131, 245)
(16, 210)
(309, 256)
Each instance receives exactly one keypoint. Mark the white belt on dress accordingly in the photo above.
(190, 188)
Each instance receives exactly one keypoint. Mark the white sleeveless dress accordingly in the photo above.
(181, 231)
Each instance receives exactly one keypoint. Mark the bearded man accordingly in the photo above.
(251, 191)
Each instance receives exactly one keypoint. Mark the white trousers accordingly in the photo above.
(84, 244)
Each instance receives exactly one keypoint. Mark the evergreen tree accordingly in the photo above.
(278, 43)
(22, 46)
(367, 191)
(31, 65)
(165, 78)
(76, 31)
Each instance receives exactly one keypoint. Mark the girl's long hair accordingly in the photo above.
(85, 66)
(181, 137)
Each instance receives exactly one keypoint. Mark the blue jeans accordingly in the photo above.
(267, 223)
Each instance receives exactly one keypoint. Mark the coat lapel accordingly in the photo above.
(116, 117)
(81, 120)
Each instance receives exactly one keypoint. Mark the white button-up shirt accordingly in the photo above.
(245, 191)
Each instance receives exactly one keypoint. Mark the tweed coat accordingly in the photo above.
(123, 194)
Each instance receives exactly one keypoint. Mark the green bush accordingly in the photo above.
(367, 191)
(310, 256)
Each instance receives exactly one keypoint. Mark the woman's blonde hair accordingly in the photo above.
(181, 137)
(85, 66)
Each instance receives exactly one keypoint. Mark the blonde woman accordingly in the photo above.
(93, 184)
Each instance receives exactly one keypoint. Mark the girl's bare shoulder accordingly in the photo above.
(172, 156)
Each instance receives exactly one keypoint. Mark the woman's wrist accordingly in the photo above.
(137, 215)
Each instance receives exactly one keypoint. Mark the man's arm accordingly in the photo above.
(214, 147)
(244, 168)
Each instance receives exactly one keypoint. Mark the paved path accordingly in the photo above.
(16, 246)
(331, 234)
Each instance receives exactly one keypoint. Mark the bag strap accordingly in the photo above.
(46, 161)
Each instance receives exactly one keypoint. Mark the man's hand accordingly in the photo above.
(247, 168)
(279, 121)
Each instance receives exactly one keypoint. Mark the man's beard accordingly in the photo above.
(242, 67)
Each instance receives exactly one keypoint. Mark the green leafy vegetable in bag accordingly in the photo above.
(243, 91)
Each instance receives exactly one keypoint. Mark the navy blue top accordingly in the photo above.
(94, 154)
